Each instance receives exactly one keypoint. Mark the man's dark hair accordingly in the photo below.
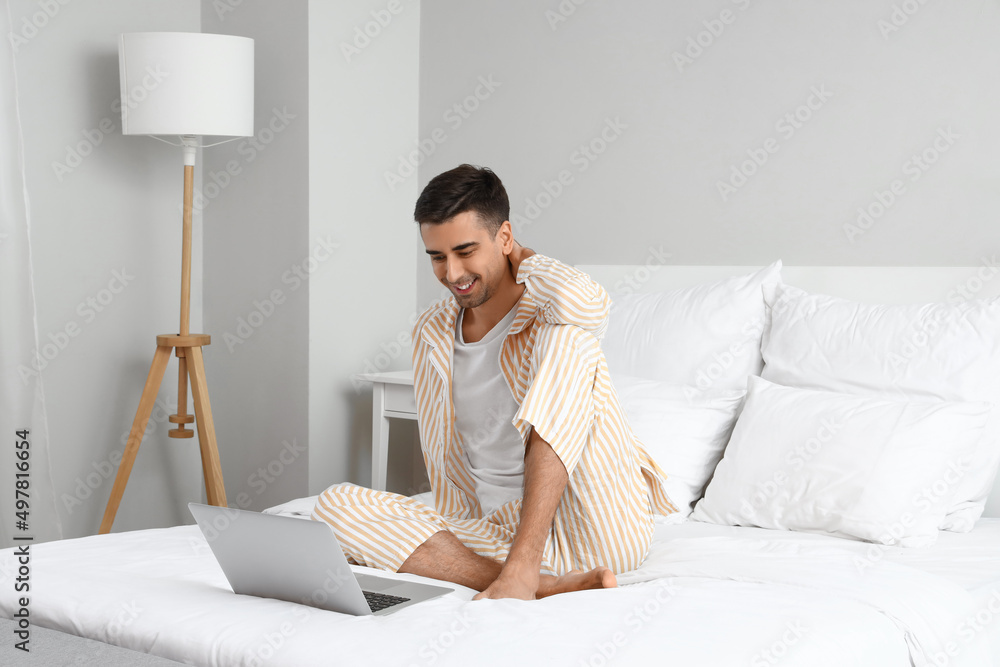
(464, 188)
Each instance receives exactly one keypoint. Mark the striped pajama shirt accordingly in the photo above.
(552, 362)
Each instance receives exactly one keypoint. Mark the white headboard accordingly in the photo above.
(867, 284)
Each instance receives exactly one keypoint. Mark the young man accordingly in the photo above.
(539, 485)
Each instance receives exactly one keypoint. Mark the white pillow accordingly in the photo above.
(684, 429)
(866, 467)
(931, 351)
(707, 335)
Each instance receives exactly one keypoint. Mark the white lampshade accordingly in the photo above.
(181, 83)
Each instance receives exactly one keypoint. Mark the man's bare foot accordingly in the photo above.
(508, 587)
(575, 580)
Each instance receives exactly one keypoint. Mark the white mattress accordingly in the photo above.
(707, 595)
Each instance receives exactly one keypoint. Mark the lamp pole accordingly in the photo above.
(190, 146)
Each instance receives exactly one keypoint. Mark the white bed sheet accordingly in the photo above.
(707, 595)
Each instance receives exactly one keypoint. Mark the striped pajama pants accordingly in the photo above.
(604, 517)
(381, 529)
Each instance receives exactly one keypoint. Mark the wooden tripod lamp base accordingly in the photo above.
(192, 365)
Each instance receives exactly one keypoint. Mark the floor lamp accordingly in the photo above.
(186, 85)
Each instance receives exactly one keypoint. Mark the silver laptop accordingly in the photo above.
(299, 560)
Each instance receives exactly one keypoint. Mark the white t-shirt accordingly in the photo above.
(484, 408)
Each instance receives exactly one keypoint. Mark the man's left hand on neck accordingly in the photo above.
(517, 255)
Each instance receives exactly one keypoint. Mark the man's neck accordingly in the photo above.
(478, 321)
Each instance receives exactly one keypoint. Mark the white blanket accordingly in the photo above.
(698, 600)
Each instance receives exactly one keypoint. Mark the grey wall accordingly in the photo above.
(890, 84)
(102, 203)
(255, 211)
(362, 117)
(308, 218)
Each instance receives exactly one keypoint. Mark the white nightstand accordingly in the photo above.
(392, 396)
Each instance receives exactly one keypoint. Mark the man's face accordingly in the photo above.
(465, 259)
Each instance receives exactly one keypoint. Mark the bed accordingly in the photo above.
(756, 570)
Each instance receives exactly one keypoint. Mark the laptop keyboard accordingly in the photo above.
(380, 601)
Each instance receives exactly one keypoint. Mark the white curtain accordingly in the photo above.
(22, 399)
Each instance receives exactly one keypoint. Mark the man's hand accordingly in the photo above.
(517, 255)
(510, 586)
(545, 479)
